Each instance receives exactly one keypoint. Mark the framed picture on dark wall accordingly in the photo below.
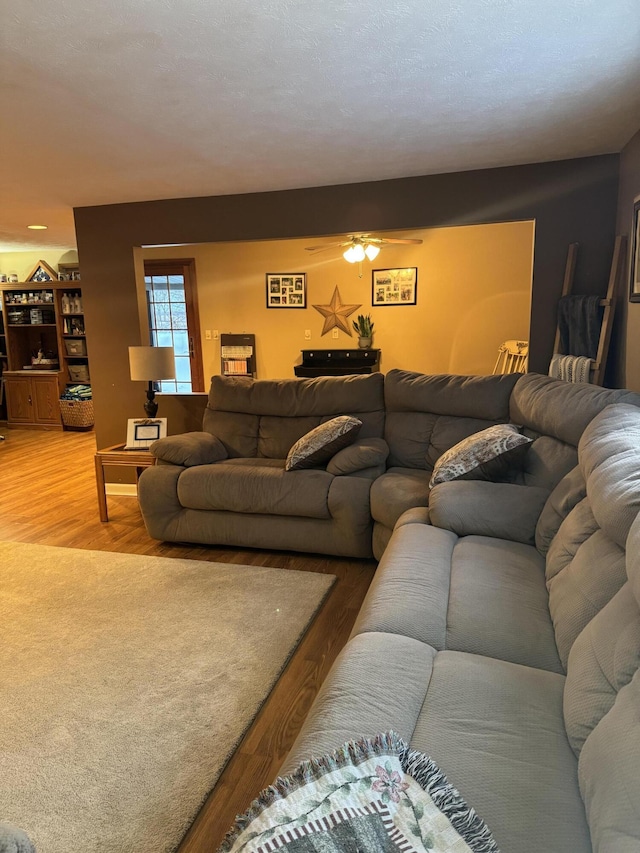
(634, 286)
(287, 290)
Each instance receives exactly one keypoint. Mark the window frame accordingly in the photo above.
(186, 267)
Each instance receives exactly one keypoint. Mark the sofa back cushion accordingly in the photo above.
(602, 713)
(567, 494)
(265, 418)
(555, 414)
(585, 565)
(427, 415)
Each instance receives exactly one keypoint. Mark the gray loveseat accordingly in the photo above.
(509, 652)
(247, 498)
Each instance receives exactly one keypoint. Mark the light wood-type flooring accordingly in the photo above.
(48, 496)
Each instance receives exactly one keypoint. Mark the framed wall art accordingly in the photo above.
(395, 287)
(634, 278)
(142, 432)
(287, 290)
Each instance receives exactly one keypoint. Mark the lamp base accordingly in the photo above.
(150, 406)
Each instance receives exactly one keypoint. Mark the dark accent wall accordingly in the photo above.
(626, 349)
(570, 200)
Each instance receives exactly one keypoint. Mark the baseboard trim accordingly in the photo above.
(122, 489)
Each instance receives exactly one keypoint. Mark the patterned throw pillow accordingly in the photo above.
(320, 444)
(486, 455)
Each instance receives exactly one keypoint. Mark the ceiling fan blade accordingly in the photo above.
(399, 240)
(327, 246)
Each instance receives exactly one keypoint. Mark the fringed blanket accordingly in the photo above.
(570, 368)
(372, 796)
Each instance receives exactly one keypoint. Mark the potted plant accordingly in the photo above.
(364, 328)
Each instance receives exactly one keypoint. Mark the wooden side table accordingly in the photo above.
(117, 455)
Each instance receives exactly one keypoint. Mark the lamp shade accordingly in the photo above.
(149, 364)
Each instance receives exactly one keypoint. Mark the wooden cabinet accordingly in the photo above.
(32, 400)
(46, 349)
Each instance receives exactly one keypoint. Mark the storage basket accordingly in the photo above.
(77, 414)
(78, 347)
(78, 372)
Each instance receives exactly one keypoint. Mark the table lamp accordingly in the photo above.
(151, 364)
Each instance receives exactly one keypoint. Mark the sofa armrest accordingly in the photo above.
(364, 453)
(481, 508)
(189, 449)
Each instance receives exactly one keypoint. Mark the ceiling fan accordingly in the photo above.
(359, 246)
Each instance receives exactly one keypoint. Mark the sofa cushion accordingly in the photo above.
(256, 486)
(602, 660)
(427, 415)
(609, 778)
(496, 730)
(503, 510)
(363, 454)
(609, 460)
(266, 417)
(189, 449)
(318, 446)
(566, 495)
(475, 594)
(559, 409)
(396, 491)
(586, 560)
(486, 455)
(584, 571)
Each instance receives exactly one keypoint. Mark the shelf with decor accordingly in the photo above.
(46, 348)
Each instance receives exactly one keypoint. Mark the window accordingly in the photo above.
(172, 307)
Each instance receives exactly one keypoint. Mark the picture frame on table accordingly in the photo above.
(394, 286)
(634, 265)
(142, 432)
(286, 290)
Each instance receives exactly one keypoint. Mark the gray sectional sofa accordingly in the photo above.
(501, 633)
(511, 653)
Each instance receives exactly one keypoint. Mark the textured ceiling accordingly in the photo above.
(129, 100)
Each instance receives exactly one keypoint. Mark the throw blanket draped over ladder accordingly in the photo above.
(579, 324)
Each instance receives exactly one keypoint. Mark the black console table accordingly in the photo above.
(337, 362)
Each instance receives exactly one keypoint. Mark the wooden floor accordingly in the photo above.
(48, 496)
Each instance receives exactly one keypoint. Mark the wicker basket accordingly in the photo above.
(77, 414)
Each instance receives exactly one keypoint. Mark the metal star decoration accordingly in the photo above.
(335, 314)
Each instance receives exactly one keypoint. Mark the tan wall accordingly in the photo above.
(474, 291)
(22, 263)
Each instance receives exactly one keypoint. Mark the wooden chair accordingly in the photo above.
(512, 357)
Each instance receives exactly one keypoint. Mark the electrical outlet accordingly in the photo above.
(334, 334)
(307, 334)
(207, 334)
(216, 334)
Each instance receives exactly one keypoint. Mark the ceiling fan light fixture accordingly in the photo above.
(372, 251)
(354, 254)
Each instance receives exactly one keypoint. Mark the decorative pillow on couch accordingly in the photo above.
(318, 445)
(486, 455)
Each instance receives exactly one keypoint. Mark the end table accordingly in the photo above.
(117, 455)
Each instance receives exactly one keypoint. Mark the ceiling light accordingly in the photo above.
(372, 251)
(354, 254)
(38, 227)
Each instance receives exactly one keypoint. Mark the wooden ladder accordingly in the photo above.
(608, 303)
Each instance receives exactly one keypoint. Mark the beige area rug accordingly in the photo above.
(125, 684)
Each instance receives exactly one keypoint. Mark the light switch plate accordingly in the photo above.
(334, 334)
(307, 334)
